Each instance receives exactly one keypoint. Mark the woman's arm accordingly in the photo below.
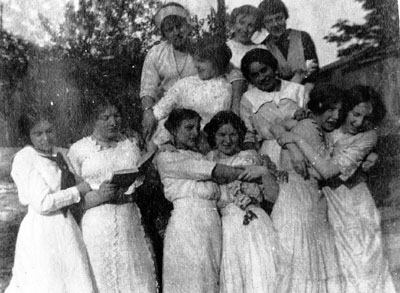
(326, 167)
(33, 190)
(95, 198)
(224, 174)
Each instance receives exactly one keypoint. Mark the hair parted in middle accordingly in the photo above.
(223, 118)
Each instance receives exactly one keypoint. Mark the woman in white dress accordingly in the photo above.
(192, 245)
(119, 254)
(206, 93)
(248, 237)
(50, 255)
(352, 212)
(308, 259)
(270, 99)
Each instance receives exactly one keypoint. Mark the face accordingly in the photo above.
(205, 68)
(43, 136)
(187, 134)
(244, 28)
(108, 123)
(275, 24)
(176, 33)
(262, 76)
(328, 120)
(227, 140)
(358, 119)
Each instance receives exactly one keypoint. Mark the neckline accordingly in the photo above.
(179, 72)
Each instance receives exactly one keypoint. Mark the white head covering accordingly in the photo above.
(170, 10)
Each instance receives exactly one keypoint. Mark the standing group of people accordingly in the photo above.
(235, 124)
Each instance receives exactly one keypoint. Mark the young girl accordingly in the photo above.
(206, 93)
(50, 255)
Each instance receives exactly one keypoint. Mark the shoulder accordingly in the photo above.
(306, 127)
(83, 143)
(370, 137)
(159, 48)
(291, 86)
(81, 147)
(26, 154)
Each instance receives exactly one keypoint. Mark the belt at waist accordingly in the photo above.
(190, 202)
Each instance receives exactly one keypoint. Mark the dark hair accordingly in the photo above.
(99, 104)
(175, 19)
(325, 96)
(365, 94)
(176, 117)
(257, 55)
(223, 118)
(29, 119)
(246, 10)
(271, 7)
(215, 50)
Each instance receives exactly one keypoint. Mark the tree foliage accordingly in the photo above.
(380, 29)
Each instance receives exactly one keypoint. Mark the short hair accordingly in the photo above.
(365, 94)
(257, 55)
(30, 118)
(176, 117)
(271, 7)
(223, 118)
(246, 10)
(215, 50)
(325, 96)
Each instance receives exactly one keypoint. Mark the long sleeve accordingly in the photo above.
(168, 102)
(245, 114)
(349, 153)
(150, 79)
(74, 159)
(33, 190)
(182, 166)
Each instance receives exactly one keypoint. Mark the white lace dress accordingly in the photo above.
(119, 254)
(355, 219)
(50, 255)
(248, 262)
(206, 97)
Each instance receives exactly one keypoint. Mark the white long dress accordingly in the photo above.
(50, 255)
(307, 259)
(192, 244)
(118, 251)
(248, 263)
(355, 218)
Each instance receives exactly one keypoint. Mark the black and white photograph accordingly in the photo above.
(185, 146)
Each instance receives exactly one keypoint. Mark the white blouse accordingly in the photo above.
(187, 174)
(38, 180)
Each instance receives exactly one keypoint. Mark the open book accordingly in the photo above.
(126, 177)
